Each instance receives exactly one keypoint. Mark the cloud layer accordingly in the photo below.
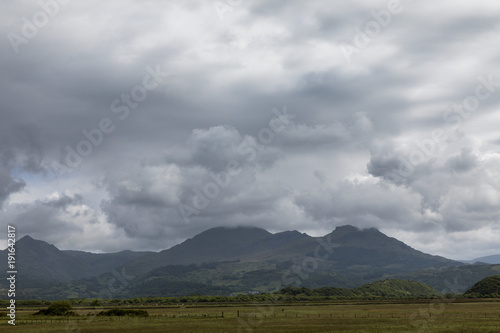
(137, 125)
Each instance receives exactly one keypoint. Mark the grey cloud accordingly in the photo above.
(215, 147)
(49, 218)
(62, 202)
(20, 145)
(20, 152)
(363, 205)
(317, 135)
(463, 162)
(8, 186)
(392, 165)
(382, 165)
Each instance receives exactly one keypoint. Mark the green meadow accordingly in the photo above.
(437, 315)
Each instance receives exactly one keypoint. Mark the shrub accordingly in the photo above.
(122, 312)
(95, 303)
(59, 308)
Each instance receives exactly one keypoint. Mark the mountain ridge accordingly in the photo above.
(354, 246)
(491, 259)
(225, 260)
(37, 260)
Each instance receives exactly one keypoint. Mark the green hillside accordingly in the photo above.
(397, 289)
(454, 280)
(488, 287)
(379, 289)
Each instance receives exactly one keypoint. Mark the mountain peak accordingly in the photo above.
(28, 242)
(370, 238)
(234, 228)
(351, 228)
(26, 238)
(238, 231)
(31, 244)
(213, 244)
(347, 228)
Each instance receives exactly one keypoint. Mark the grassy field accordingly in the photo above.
(424, 316)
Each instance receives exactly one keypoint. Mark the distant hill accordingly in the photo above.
(104, 262)
(493, 260)
(39, 262)
(456, 279)
(488, 287)
(369, 248)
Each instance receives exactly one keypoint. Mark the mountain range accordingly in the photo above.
(235, 260)
(352, 250)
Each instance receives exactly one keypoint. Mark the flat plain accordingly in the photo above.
(344, 316)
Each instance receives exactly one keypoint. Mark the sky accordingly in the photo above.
(137, 124)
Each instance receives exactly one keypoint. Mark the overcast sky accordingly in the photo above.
(137, 124)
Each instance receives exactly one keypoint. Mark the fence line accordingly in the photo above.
(238, 314)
